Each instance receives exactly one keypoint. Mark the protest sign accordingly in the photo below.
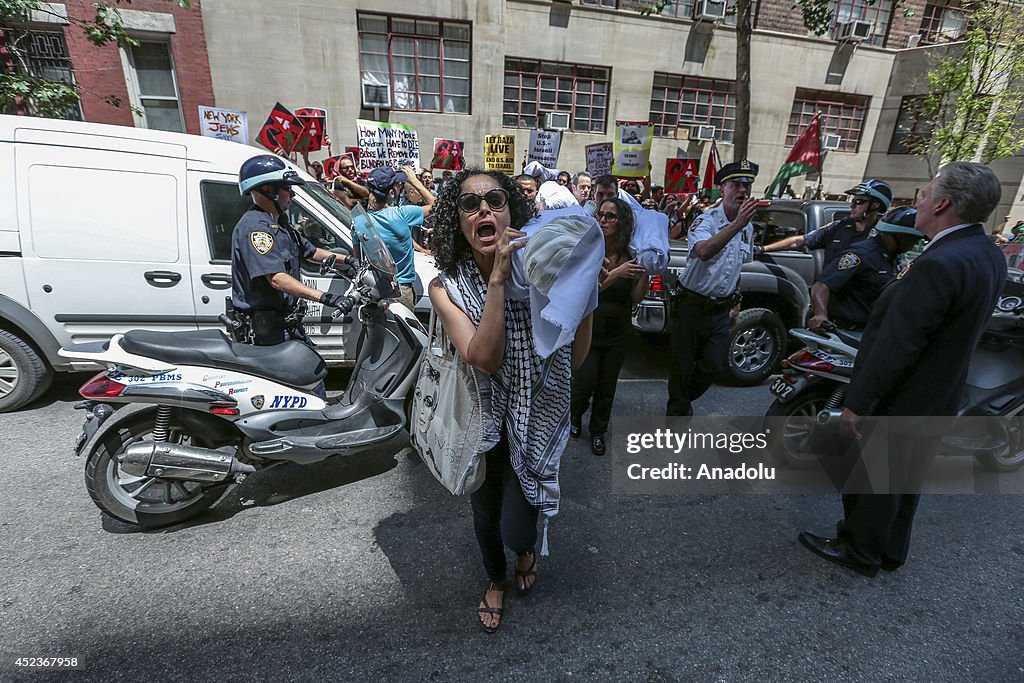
(386, 144)
(681, 175)
(599, 158)
(632, 149)
(331, 166)
(500, 153)
(354, 153)
(280, 131)
(224, 124)
(314, 129)
(544, 146)
(448, 154)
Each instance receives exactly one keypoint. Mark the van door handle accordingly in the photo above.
(163, 278)
(216, 280)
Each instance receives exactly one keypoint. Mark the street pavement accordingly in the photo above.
(364, 568)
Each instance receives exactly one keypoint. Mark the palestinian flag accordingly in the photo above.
(804, 159)
(710, 188)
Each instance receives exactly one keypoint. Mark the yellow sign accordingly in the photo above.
(500, 153)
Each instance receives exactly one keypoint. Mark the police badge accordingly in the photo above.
(257, 401)
(847, 261)
(262, 241)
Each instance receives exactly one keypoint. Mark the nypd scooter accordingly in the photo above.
(177, 417)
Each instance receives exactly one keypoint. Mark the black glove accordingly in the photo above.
(327, 265)
(350, 266)
(342, 303)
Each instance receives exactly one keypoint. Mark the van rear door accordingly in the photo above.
(105, 243)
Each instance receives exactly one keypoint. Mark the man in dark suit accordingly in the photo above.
(915, 353)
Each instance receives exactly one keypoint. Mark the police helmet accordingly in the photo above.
(900, 221)
(876, 189)
(265, 169)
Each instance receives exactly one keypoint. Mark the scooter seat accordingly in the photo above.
(850, 337)
(292, 363)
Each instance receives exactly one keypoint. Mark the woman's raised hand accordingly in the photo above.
(503, 255)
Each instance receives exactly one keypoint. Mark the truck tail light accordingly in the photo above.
(657, 284)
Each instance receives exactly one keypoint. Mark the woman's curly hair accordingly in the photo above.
(447, 241)
(622, 237)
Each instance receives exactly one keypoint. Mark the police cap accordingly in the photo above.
(741, 171)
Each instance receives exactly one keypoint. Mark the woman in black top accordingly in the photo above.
(623, 283)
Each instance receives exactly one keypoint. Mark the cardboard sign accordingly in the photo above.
(632, 148)
(224, 124)
(281, 130)
(331, 166)
(500, 153)
(599, 158)
(314, 129)
(448, 154)
(386, 144)
(544, 147)
(681, 175)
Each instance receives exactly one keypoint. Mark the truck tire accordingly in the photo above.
(756, 344)
(24, 376)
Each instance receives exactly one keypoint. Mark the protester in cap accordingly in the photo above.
(477, 230)
(624, 283)
(395, 224)
(582, 186)
(348, 188)
(849, 286)
(870, 199)
(720, 241)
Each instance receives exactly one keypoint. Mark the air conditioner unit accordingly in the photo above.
(709, 10)
(830, 143)
(702, 133)
(914, 40)
(556, 120)
(855, 31)
(378, 96)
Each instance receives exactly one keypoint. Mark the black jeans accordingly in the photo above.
(700, 341)
(501, 514)
(597, 379)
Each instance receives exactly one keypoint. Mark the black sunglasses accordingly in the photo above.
(859, 201)
(606, 215)
(469, 202)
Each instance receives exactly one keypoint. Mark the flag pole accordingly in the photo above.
(822, 155)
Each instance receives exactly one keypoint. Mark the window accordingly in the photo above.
(941, 23)
(682, 9)
(690, 100)
(774, 225)
(533, 88)
(152, 87)
(842, 115)
(424, 62)
(46, 56)
(912, 127)
(875, 12)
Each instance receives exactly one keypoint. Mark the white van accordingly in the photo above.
(110, 228)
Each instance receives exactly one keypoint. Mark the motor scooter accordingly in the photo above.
(813, 383)
(177, 417)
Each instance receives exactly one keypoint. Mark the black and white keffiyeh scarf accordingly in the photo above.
(528, 396)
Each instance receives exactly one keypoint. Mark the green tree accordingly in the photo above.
(20, 88)
(975, 89)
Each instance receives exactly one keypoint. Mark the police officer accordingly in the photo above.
(870, 199)
(720, 241)
(846, 290)
(266, 254)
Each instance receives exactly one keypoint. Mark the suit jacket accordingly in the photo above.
(918, 342)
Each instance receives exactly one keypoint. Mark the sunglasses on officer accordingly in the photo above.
(858, 201)
(469, 202)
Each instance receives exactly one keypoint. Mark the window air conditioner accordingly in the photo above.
(378, 96)
(855, 31)
(702, 133)
(556, 120)
(709, 10)
(830, 143)
(914, 41)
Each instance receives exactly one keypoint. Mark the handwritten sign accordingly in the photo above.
(224, 124)
(599, 158)
(386, 144)
(500, 153)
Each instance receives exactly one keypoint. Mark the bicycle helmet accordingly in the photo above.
(266, 169)
(876, 189)
(899, 221)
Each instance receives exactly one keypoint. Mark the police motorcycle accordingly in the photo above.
(177, 417)
(812, 386)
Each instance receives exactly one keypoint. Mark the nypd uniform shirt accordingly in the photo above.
(855, 280)
(261, 247)
(719, 276)
(835, 238)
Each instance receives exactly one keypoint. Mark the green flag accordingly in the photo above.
(804, 159)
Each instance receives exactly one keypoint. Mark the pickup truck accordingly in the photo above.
(775, 288)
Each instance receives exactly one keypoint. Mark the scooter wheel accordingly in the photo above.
(791, 445)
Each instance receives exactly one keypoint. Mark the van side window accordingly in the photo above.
(311, 228)
(222, 207)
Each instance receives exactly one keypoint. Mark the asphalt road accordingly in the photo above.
(365, 569)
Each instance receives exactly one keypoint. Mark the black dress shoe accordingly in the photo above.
(837, 551)
(597, 445)
(575, 428)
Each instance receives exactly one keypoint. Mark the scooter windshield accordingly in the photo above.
(371, 246)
